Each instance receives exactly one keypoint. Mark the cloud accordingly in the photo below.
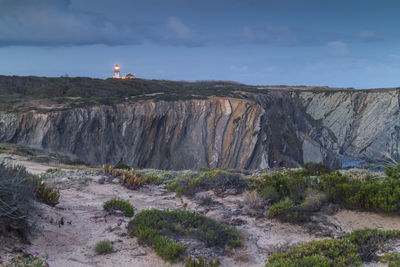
(53, 23)
(367, 36)
(270, 34)
(338, 48)
(239, 69)
(178, 33)
(250, 36)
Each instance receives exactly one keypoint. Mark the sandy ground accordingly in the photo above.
(67, 233)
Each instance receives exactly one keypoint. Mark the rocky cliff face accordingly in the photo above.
(272, 128)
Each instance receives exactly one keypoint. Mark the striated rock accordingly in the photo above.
(268, 129)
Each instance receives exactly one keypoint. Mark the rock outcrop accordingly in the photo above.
(258, 130)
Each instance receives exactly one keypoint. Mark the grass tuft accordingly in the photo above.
(103, 247)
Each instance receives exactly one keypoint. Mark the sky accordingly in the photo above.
(338, 43)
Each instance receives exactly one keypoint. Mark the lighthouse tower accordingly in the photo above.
(116, 72)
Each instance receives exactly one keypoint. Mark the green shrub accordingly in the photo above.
(279, 185)
(303, 191)
(156, 228)
(17, 195)
(269, 193)
(214, 179)
(114, 204)
(75, 162)
(284, 210)
(368, 193)
(202, 262)
(35, 260)
(327, 252)
(314, 201)
(392, 259)
(351, 250)
(313, 168)
(121, 165)
(369, 241)
(103, 247)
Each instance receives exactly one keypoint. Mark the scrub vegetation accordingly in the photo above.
(162, 230)
(18, 191)
(351, 250)
(294, 194)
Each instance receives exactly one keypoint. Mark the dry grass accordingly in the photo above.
(253, 199)
(242, 256)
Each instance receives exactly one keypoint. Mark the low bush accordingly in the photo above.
(214, 179)
(392, 259)
(313, 168)
(347, 251)
(114, 204)
(202, 262)
(130, 178)
(75, 162)
(159, 228)
(367, 193)
(46, 194)
(121, 165)
(279, 185)
(314, 201)
(286, 211)
(35, 260)
(17, 195)
(103, 247)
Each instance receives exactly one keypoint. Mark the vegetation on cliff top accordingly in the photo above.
(18, 93)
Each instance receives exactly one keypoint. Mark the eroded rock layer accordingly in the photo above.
(272, 128)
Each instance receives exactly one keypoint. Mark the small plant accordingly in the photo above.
(202, 262)
(114, 204)
(46, 194)
(35, 260)
(121, 165)
(103, 247)
(104, 168)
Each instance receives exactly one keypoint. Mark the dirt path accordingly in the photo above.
(68, 232)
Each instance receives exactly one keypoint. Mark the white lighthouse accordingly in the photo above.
(116, 72)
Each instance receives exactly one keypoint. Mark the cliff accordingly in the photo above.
(253, 130)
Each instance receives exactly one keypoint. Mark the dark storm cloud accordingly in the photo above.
(169, 23)
(52, 22)
(56, 23)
